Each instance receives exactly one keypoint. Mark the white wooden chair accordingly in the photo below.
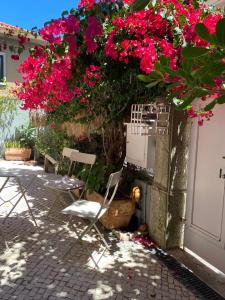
(66, 184)
(66, 153)
(93, 211)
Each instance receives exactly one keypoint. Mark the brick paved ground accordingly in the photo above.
(34, 267)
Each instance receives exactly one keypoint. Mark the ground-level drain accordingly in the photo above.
(200, 289)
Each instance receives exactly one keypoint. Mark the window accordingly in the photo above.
(2, 68)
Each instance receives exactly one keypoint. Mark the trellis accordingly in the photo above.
(150, 119)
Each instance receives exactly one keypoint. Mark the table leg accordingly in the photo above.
(4, 184)
(25, 198)
(23, 191)
(12, 209)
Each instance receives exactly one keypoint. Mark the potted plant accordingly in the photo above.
(20, 147)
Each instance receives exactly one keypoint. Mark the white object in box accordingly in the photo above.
(140, 149)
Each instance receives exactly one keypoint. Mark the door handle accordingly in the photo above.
(221, 175)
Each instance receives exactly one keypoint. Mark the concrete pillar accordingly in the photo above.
(168, 192)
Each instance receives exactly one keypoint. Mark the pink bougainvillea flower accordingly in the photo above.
(22, 39)
(94, 29)
(84, 100)
(53, 75)
(88, 4)
(15, 57)
(200, 122)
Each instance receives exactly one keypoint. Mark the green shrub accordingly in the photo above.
(24, 138)
(13, 144)
(51, 141)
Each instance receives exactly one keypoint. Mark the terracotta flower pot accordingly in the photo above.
(17, 154)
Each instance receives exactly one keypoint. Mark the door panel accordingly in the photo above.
(205, 234)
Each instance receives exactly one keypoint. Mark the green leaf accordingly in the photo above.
(139, 4)
(152, 84)
(187, 65)
(203, 32)
(219, 100)
(34, 28)
(150, 77)
(190, 96)
(64, 13)
(20, 50)
(216, 69)
(182, 20)
(195, 3)
(210, 70)
(220, 31)
(72, 11)
(210, 105)
(193, 52)
(60, 50)
(171, 85)
(164, 60)
(47, 23)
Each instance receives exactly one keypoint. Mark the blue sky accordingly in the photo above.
(29, 13)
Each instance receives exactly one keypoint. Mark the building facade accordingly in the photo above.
(9, 74)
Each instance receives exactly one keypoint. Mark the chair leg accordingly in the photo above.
(57, 199)
(101, 237)
(81, 242)
(80, 239)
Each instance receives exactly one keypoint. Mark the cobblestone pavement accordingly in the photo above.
(34, 266)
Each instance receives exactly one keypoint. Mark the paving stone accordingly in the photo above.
(35, 268)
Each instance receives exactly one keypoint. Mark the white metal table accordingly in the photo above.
(22, 194)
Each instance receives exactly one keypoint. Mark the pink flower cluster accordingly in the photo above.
(148, 34)
(50, 73)
(88, 4)
(200, 115)
(94, 29)
(22, 39)
(53, 33)
(92, 75)
(142, 32)
(43, 89)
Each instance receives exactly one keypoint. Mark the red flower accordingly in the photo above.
(88, 4)
(15, 57)
(200, 122)
(84, 100)
(93, 30)
(52, 125)
(22, 39)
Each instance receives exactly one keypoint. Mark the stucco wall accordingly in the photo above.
(9, 121)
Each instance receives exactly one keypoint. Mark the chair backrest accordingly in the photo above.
(113, 182)
(67, 153)
(84, 158)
